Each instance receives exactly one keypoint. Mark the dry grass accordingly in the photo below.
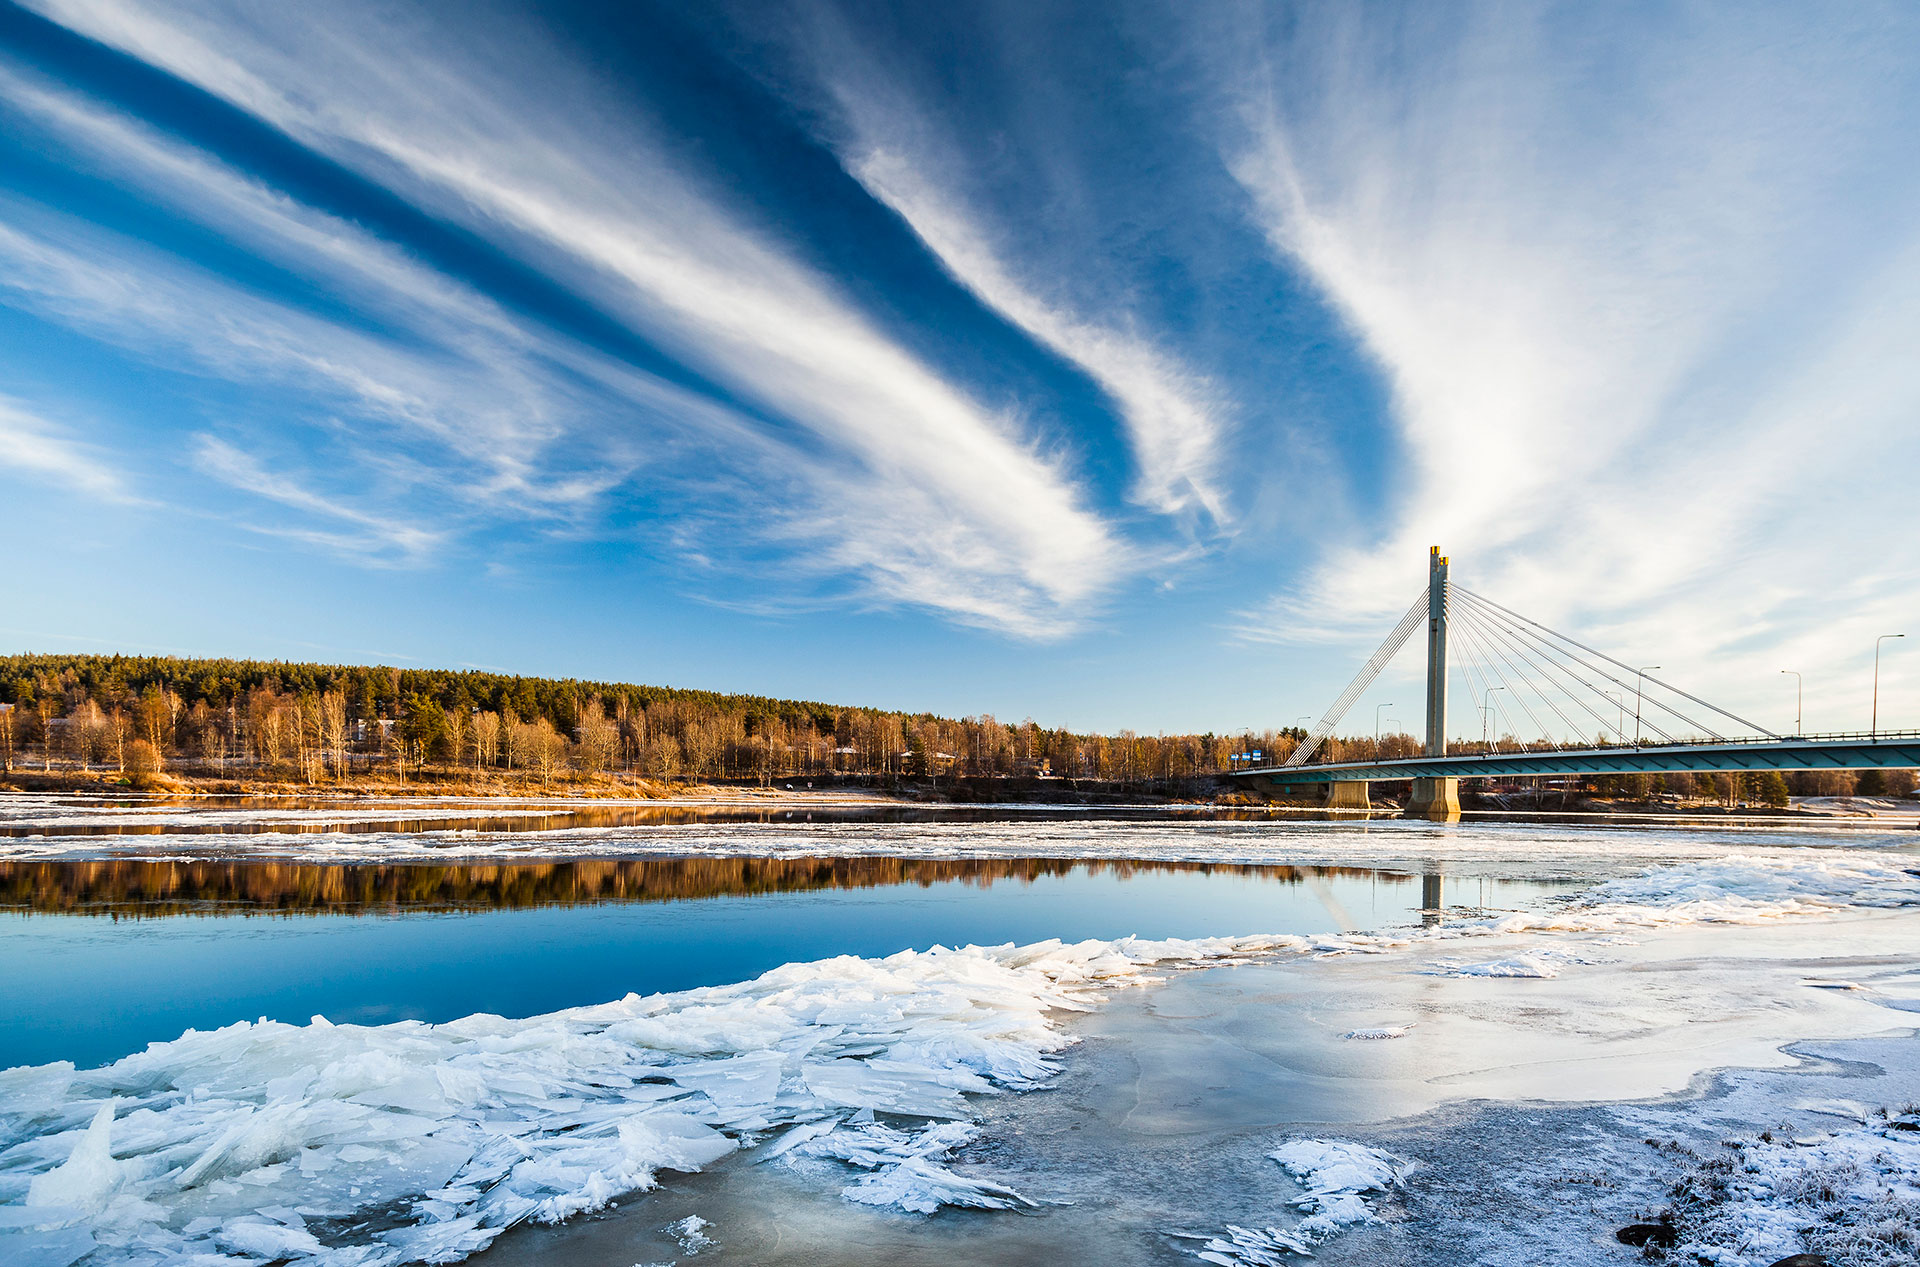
(1854, 1215)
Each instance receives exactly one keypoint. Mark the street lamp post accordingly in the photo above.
(1376, 726)
(1486, 714)
(1639, 681)
(1620, 702)
(1874, 726)
(1799, 696)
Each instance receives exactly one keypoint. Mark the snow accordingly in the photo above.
(1338, 1176)
(265, 1141)
(1852, 1195)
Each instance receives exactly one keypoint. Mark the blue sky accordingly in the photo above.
(1109, 364)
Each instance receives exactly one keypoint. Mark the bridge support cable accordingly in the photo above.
(1759, 729)
(1540, 681)
(1474, 639)
(1415, 617)
(1524, 637)
(1483, 689)
(1470, 627)
(1495, 631)
(1519, 627)
(1644, 699)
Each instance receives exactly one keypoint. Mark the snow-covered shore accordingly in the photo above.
(411, 1142)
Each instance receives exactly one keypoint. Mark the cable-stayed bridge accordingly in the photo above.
(1613, 718)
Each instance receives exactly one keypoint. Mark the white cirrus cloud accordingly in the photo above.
(1175, 418)
(32, 447)
(575, 185)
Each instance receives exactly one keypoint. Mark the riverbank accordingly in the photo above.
(460, 786)
(460, 782)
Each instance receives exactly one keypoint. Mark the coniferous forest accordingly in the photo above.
(319, 723)
(143, 717)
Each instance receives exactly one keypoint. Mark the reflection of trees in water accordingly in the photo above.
(130, 888)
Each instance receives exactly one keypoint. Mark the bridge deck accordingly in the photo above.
(1861, 752)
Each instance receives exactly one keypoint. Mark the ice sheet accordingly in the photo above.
(410, 1142)
(337, 1145)
(63, 830)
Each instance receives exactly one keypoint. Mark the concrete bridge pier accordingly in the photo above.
(1348, 795)
(1435, 799)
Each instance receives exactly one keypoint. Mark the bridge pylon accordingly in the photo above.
(1437, 799)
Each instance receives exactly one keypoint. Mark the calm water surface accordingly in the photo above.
(103, 957)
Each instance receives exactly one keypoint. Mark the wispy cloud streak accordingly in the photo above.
(598, 206)
(1174, 416)
(34, 448)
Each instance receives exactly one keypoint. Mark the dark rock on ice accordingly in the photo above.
(1646, 1234)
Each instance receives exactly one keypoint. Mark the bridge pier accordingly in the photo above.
(1348, 795)
(1434, 799)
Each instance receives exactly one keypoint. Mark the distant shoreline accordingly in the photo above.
(853, 792)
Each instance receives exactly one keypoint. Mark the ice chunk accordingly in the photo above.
(1535, 966)
(1338, 1176)
(1253, 1247)
(1331, 1170)
(237, 1142)
(55, 1247)
(89, 1176)
(266, 1239)
(691, 1232)
(907, 1170)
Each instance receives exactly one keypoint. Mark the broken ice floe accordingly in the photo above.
(1339, 1176)
(1517, 966)
(1381, 1032)
(691, 1232)
(907, 1170)
(365, 1146)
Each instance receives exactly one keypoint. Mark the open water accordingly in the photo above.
(106, 956)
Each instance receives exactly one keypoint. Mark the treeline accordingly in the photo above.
(1763, 787)
(318, 722)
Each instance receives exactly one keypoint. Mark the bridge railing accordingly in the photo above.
(1466, 748)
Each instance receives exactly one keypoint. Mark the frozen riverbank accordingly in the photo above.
(254, 1140)
(1536, 1114)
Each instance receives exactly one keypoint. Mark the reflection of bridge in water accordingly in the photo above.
(1505, 654)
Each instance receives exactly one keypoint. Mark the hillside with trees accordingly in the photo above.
(149, 719)
(316, 723)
